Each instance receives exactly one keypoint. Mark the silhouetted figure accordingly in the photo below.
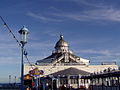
(62, 87)
(50, 87)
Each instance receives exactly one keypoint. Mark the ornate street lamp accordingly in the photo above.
(23, 32)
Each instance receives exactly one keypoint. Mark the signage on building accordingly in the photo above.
(36, 72)
(28, 77)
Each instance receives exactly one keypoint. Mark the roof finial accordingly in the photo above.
(61, 36)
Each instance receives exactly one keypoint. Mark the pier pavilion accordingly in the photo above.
(66, 67)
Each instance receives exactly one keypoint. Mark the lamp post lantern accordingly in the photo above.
(23, 32)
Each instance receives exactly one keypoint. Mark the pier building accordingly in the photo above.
(65, 68)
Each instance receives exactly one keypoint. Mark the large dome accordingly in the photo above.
(61, 42)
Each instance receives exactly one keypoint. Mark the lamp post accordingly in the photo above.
(15, 80)
(23, 32)
(9, 79)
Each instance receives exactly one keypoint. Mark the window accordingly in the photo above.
(74, 81)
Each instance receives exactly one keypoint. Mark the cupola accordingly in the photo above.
(61, 45)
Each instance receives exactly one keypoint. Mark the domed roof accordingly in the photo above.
(61, 42)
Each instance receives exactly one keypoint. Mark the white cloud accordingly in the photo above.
(40, 45)
(10, 60)
(43, 17)
(102, 52)
(91, 51)
(103, 55)
(101, 11)
(54, 32)
(108, 14)
(97, 14)
(95, 4)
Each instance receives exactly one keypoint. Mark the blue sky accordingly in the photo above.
(91, 27)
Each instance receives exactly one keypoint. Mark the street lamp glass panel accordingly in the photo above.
(24, 37)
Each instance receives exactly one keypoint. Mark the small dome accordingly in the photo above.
(61, 42)
(23, 30)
